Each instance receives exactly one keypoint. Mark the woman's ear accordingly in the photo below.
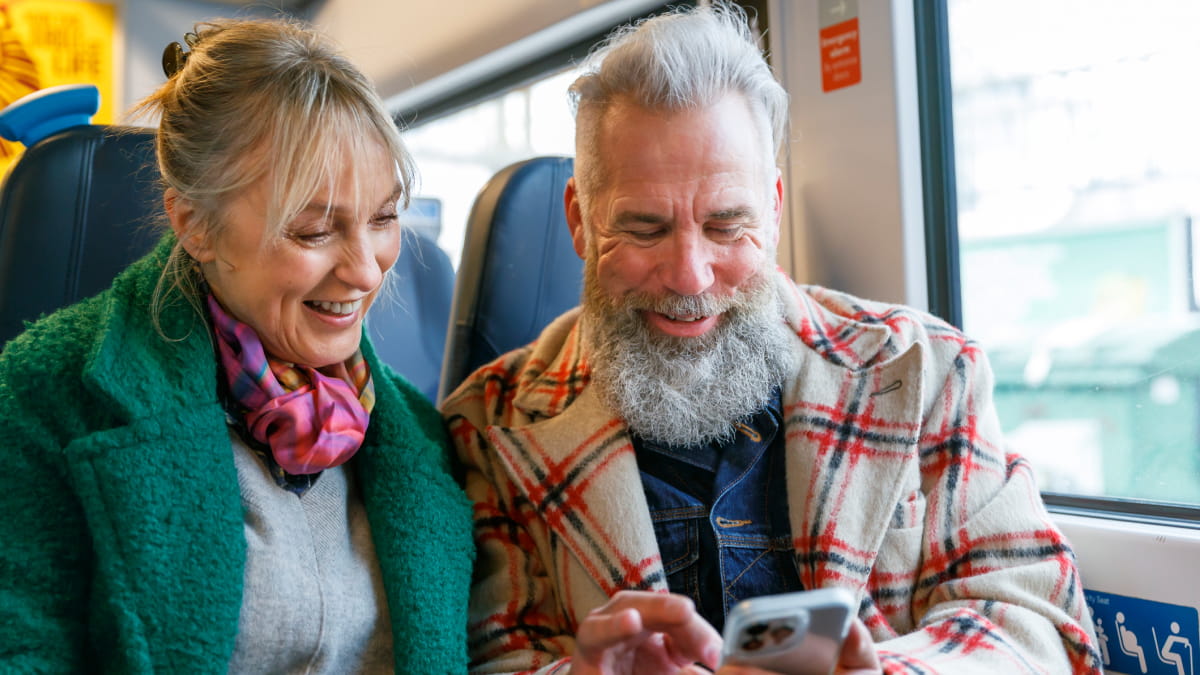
(185, 221)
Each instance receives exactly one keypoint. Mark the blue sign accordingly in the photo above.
(1142, 637)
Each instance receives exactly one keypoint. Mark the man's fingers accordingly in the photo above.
(657, 609)
(858, 651)
(633, 616)
(687, 636)
(605, 628)
(694, 641)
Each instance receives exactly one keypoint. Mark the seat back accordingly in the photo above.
(81, 204)
(519, 269)
(408, 322)
(76, 208)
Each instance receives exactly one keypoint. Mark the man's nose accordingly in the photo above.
(688, 269)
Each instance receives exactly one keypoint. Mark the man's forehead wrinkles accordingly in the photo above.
(715, 205)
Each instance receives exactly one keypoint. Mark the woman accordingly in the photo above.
(206, 467)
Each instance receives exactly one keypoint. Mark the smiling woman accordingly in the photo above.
(304, 290)
(209, 453)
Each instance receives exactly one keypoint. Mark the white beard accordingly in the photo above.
(687, 391)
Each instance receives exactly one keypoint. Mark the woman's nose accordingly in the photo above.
(359, 265)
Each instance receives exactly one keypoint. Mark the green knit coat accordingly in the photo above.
(121, 534)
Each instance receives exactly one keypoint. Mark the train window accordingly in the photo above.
(456, 154)
(1077, 160)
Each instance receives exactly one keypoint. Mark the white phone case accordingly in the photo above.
(791, 633)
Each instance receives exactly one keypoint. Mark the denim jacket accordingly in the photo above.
(720, 515)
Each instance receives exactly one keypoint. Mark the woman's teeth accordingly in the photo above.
(338, 308)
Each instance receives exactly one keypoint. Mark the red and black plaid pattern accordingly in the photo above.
(899, 486)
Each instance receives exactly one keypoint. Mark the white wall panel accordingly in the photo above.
(853, 170)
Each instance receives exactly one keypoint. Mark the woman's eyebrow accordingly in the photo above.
(397, 190)
(326, 207)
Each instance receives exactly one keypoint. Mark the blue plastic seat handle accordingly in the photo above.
(37, 115)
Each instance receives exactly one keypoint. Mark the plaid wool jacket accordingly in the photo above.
(899, 486)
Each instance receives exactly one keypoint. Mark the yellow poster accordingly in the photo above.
(44, 43)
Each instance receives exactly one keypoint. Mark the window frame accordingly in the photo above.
(939, 188)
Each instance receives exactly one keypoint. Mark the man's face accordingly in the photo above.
(688, 204)
(678, 241)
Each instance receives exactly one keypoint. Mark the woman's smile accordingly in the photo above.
(335, 308)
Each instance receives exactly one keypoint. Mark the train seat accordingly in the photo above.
(519, 269)
(82, 202)
(408, 321)
(75, 209)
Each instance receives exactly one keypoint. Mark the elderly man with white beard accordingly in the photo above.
(703, 430)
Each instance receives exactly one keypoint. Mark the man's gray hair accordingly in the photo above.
(684, 59)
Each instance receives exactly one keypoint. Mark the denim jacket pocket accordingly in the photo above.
(677, 530)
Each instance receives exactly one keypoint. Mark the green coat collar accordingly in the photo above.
(144, 373)
(160, 493)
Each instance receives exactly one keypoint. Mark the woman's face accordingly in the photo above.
(306, 291)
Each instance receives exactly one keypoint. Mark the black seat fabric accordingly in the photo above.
(75, 210)
(519, 269)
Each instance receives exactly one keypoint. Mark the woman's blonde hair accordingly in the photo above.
(255, 98)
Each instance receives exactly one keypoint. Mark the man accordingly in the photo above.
(704, 426)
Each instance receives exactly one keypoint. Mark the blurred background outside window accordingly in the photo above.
(1077, 139)
(458, 153)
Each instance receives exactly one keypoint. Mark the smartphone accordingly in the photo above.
(791, 633)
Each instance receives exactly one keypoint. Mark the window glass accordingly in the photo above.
(1077, 151)
(458, 153)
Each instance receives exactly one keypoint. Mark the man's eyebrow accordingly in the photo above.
(733, 213)
(639, 218)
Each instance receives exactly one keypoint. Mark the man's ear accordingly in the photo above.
(778, 203)
(574, 217)
(185, 221)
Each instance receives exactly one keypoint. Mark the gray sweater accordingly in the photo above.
(313, 600)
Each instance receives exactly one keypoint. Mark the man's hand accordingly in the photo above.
(858, 656)
(644, 632)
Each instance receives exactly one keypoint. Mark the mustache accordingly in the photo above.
(743, 300)
(679, 305)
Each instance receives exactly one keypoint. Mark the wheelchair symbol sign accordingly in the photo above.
(1143, 637)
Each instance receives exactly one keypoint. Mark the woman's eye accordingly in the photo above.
(310, 238)
(385, 219)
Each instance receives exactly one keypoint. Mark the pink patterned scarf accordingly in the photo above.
(311, 420)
